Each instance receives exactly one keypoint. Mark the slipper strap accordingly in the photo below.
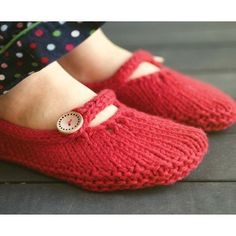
(95, 105)
(128, 68)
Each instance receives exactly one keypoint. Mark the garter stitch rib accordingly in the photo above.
(130, 150)
(170, 94)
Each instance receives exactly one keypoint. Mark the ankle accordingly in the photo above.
(40, 99)
(90, 63)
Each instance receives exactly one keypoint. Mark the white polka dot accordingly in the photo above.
(4, 65)
(51, 47)
(31, 72)
(75, 33)
(4, 27)
(6, 91)
(19, 43)
(2, 77)
(29, 24)
(62, 22)
(19, 54)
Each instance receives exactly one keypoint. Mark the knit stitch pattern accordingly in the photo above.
(131, 150)
(170, 94)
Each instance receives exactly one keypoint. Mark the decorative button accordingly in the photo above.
(70, 122)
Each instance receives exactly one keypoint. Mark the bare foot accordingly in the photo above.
(39, 100)
(97, 59)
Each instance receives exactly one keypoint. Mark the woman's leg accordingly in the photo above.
(36, 100)
(98, 58)
(39, 100)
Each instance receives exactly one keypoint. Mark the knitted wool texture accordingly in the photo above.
(170, 94)
(130, 150)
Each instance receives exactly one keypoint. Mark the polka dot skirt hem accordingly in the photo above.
(27, 47)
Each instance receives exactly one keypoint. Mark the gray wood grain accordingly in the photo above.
(224, 81)
(172, 34)
(220, 59)
(197, 46)
(188, 198)
(220, 163)
(11, 173)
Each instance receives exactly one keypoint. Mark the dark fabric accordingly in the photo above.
(27, 47)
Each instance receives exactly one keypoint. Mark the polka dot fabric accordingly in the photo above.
(27, 47)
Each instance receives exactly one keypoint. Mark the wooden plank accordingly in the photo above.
(231, 130)
(182, 198)
(219, 164)
(171, 34)
(224, 81)
(221, 59)
(190, 56)
(15, 173)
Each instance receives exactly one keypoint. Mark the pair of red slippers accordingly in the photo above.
(132, 149)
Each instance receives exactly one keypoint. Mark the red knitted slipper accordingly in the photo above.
(130, 150)
(169, 94)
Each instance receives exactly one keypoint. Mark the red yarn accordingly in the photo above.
(170, 94)
(130, 150)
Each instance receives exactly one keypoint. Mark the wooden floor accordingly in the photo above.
(204, 50)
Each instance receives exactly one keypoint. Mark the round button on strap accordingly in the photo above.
(70, 122)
